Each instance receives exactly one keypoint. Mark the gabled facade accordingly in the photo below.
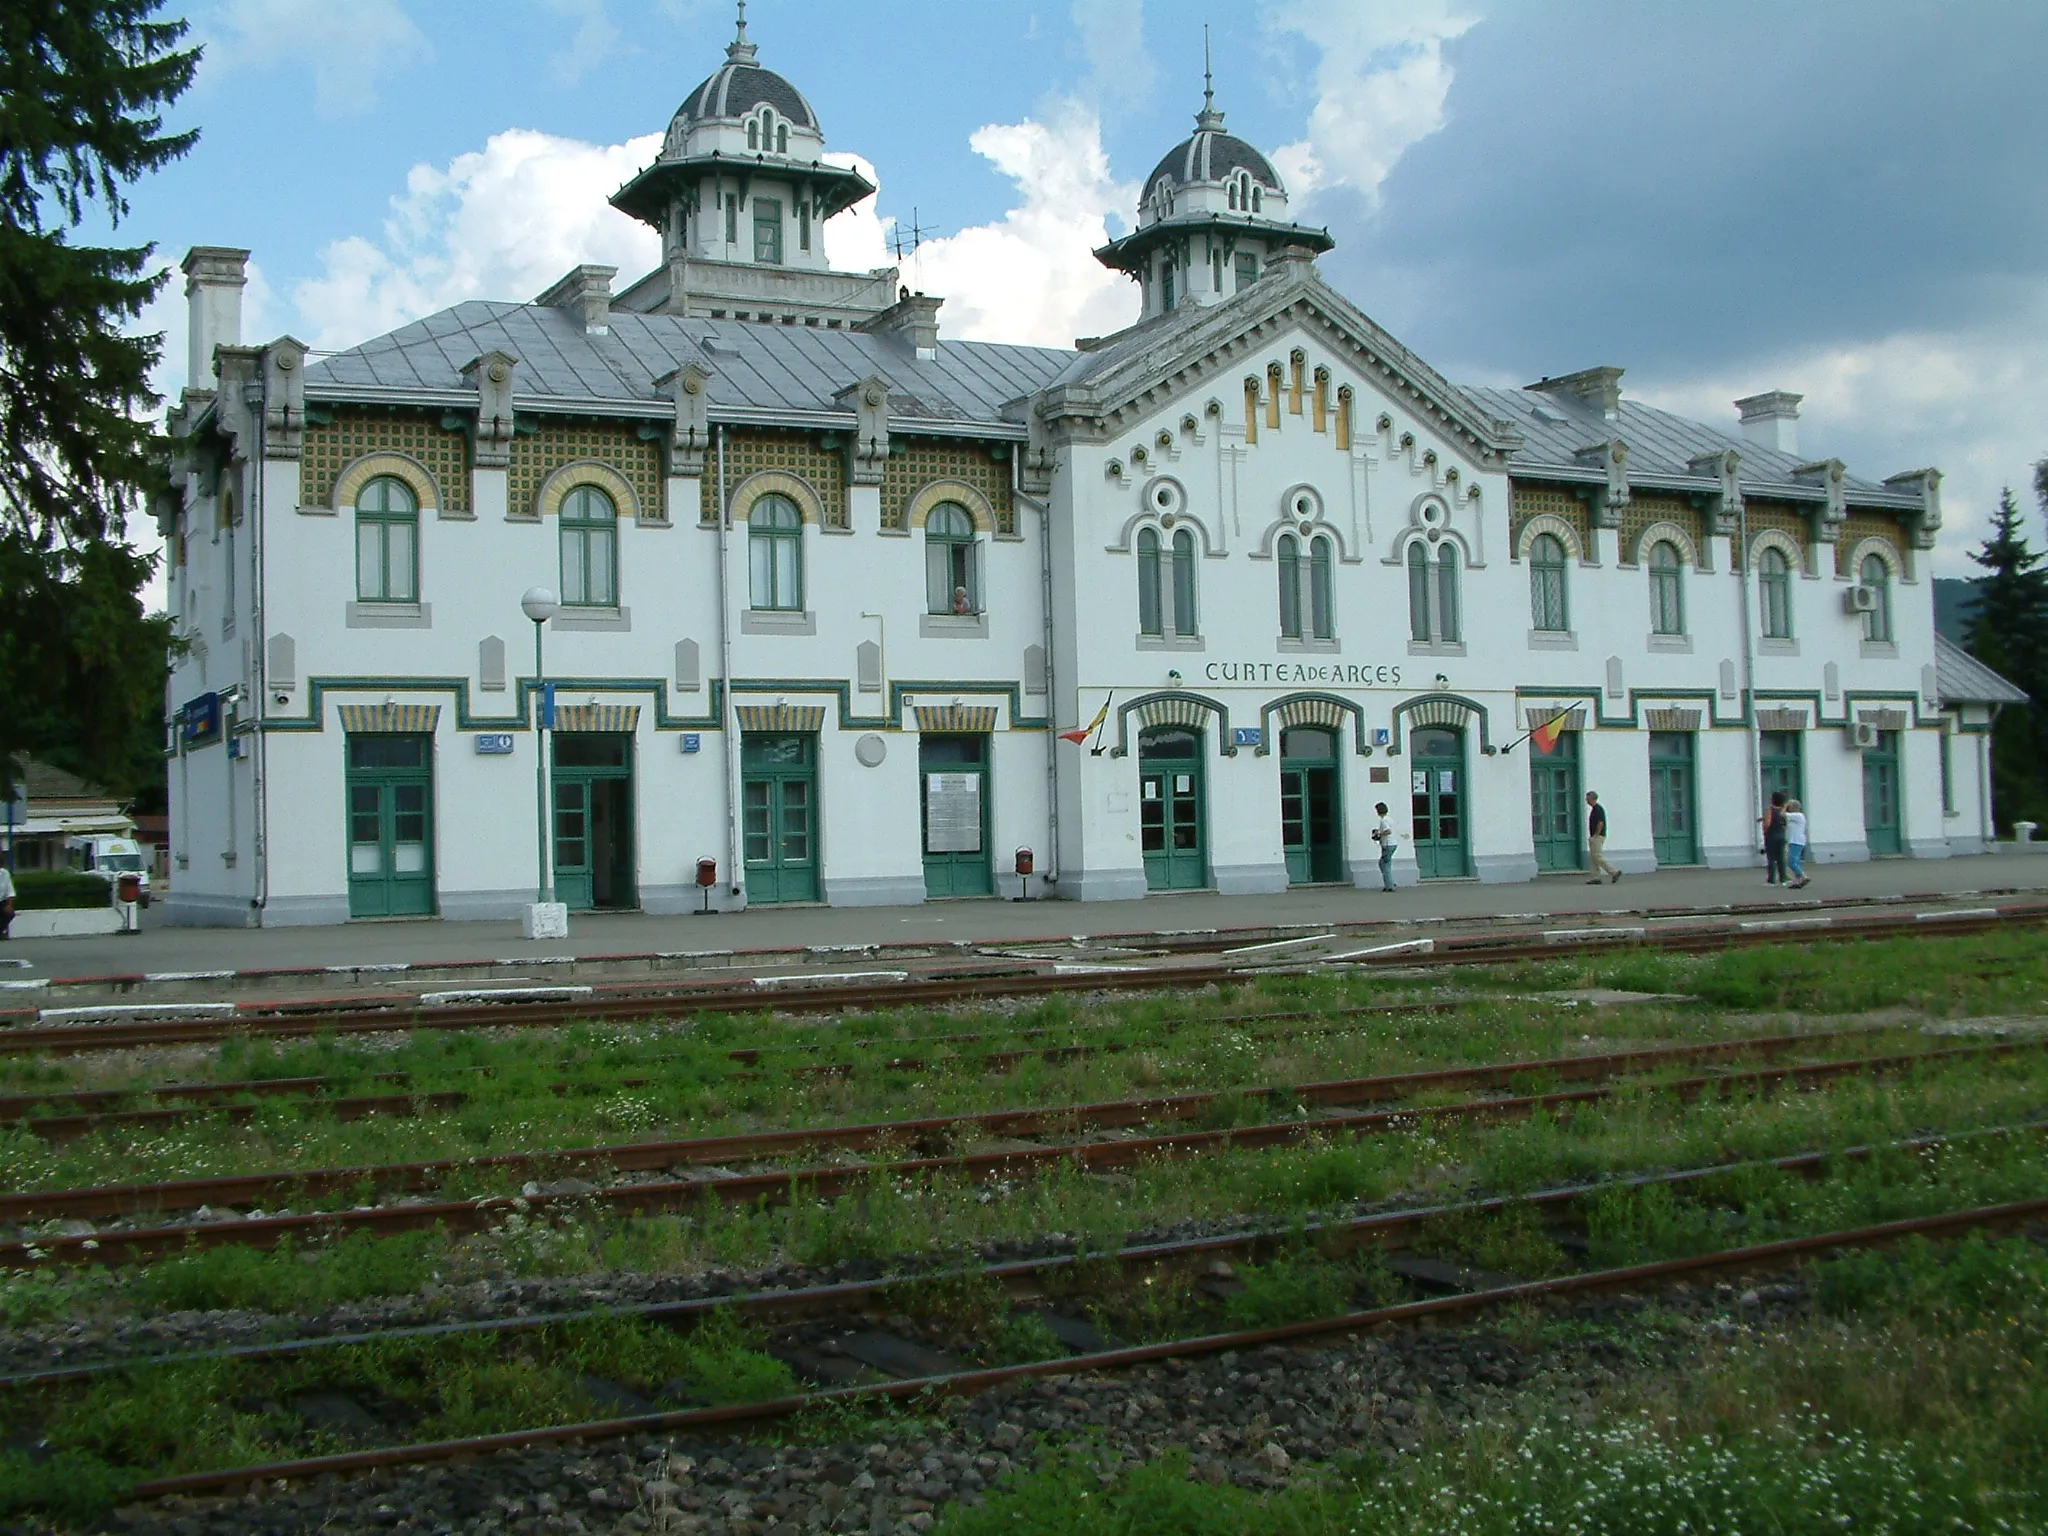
(832, 584)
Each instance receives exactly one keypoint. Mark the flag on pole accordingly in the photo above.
(1082, 732)
(1545, 735)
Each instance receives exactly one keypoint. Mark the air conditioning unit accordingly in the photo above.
(1859, 600)
(1862, 734)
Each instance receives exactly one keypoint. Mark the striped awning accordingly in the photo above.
(1568, 718)
(1781, 719)
(387, 719)
(1183, 709)
(1329, 713)
(597, 717)
(1672, 719)
(964, 719)
(1450, 713)
(781, 717)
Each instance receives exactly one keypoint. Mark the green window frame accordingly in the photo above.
(1322, 601)
(1184, 619)
(590, 549)
(1774, 594)
(1151, 621)
(387, 542)
(1876, 575)
(1418, 594)
(1549, 599)
(1247, 269)
(1667, 590)
(952, 561)
(768, 230)
(1288, 555)
(1448, 628)
(775, 555)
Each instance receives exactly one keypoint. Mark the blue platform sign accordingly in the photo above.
(692, 742)
(199, 720)
(1247, 735)
(1381, 736)
(494, 744)
(547, 707)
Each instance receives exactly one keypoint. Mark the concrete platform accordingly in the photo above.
(164, 953)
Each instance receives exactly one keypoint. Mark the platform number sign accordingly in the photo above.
(494, 744)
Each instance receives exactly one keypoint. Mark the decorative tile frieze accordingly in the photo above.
(560, 441)
(330, 447)
(922, 462)
(795, 453)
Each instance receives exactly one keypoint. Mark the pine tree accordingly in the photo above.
(2008, 632)
(83, 84)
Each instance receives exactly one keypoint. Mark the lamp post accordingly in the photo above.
(539, 605)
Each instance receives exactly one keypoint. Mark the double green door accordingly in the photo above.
(390, 787)
(779, 817)
(593, 801)
(1171, 822)
(1311, 819)
(1437, 791)
(1674, 828)
(1779, 768)
(1881, 797)
(1554, 803)
(954, 806)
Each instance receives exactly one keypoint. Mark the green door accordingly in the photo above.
(1778, 764)
(390, 826)
(1881, 797)
(1311, 819)
(953, 802)
(1437, 790)
(593, 798)
(1554, 803)
(779, 817)
(1674, 829)
(1170, 810)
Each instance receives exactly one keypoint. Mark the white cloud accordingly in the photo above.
(350, 46)
(1380, 84)
(1121, 72)
(1972, 403)
(501, 222)
(595, 39)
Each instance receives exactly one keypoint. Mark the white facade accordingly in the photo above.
(1267, 429)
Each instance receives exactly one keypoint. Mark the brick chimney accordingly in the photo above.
(214, 278)
(1771, 419)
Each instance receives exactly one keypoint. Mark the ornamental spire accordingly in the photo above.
(1208, 117)
(739, 50)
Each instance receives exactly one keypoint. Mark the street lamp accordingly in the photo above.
(539, 605)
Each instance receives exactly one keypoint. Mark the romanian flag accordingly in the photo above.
(1081, 733)
(1545, 735)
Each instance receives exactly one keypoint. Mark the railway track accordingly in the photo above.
(115, 1245)
(798, 994)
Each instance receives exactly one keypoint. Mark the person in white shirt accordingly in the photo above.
(1383, 834)
(1795, 844)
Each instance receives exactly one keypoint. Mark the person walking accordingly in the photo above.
(1795, 844)
(1773, 820)
(6, 900)
(1596, 841)
(1383, 834)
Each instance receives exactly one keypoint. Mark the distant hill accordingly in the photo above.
(1955, 598)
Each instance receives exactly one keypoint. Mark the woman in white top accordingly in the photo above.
(1795, 844)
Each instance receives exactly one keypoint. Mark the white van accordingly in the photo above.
(112, 857)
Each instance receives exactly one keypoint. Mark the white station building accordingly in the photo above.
(832, 583)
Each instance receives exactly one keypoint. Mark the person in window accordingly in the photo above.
(1596, 841)
(962, 604)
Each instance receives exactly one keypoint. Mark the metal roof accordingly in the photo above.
(734, 90)
(1211, 155)
(1962, 679)
(773, 370)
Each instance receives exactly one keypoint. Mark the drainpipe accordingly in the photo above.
(258, 759)
(1052, 739)
(728, 714)
(1749, 734)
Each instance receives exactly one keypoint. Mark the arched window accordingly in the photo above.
(775, 554)
(1548, 607)
(1256, 200)
(1288, 554)
(1447, 629)
(1877, 576)
(1166, 294)
(1433, 602)
(1184, 622)
(1418, 593)
(1233, 197)
(1667, 590)
(753, 134)
(590, 549)
(1774, 594)
(387, 542)
(1322, 607)
(952, 565)
(782, 138)
(1151, 620)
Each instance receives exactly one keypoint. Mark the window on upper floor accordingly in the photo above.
(1549, 604)
(952, 561)
(387, 542)
(803, 223)
(1667, 589)
(768, 229)
(1247, 270)
(1257, 201)
(1774, 594)
(753, 134)
(1166, 585)
(775, 554)
(1877, 576)
(1166, 294)
(782, 138)
(1433, 596)
(732, 219)
(590, 549)
(1307, 611)
(1184, 617)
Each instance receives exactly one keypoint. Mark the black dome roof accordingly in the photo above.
(1211, 156)
(736, 89)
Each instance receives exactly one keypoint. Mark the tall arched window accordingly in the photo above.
(1876, 575)
(1667, 590)
(1774, 594)
(387, 542)
(1184, 619)
(1322, 606)
(753, 135)
(1288, 555)
(782, 138)
(775, 554)
(1433, 602)
(1549, 607)
(952, 565)
(1447, 627)
(1151, 619)
(1418, 593)
(590, 549)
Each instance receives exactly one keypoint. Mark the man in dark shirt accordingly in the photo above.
(1596, 841)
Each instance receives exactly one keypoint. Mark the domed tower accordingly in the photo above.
(1212, 214)
(740, 193)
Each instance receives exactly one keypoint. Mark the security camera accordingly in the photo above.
(282, 698)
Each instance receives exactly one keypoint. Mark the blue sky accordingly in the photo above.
(1849, 200)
